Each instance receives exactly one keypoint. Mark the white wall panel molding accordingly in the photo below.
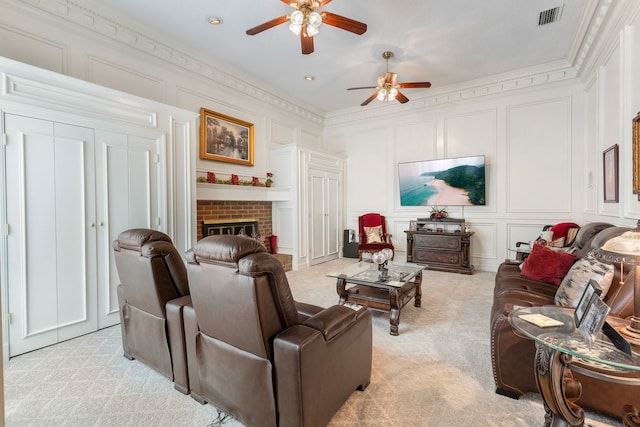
(182, 225)
(475, 133)
(90, 20)
(539, 146)
(484, 245)
(17, 43)
(129, 80)
(282, 133)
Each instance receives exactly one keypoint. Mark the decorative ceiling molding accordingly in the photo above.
(79, 15)
(517, 80)
(458, 93)
(592, 34)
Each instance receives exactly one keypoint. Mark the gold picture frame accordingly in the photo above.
(225, 139)
(636, 155)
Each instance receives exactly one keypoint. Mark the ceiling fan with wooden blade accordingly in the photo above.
(305, 22)
(387, 88)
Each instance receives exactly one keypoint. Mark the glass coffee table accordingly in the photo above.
(556, 346)
(380, 288)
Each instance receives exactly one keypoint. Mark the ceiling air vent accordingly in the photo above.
(550, 15)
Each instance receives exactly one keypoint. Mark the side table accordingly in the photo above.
(556, 346)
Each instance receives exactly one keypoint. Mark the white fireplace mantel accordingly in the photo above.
(207, 191)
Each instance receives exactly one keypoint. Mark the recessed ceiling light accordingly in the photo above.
(215, 20)
(309, 78)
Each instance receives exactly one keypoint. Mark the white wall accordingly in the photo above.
(543, 144)
(531, 142)
(75, 41)
(612, 100)
(543, 134)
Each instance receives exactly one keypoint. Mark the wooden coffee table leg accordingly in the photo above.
(394, 312)
(342, 291)
(417, 300)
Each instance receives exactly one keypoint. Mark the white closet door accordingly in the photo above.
(317, 223)
(324, 203)
(333, 215)
(129, 194)
(51, 243)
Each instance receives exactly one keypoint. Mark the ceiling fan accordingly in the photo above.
(305, 21)
(387, 88)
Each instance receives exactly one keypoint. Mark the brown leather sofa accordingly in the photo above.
(151, 296)
(257, 354)
(512, 356)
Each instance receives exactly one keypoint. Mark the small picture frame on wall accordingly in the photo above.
(610, 174)
(225, 139)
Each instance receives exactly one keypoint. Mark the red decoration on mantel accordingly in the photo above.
(255, 181)
(234, 179)
(211, 177)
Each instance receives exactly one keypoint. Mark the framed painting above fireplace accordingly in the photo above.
(225, 139)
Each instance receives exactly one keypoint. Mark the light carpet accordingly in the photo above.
(437, 372)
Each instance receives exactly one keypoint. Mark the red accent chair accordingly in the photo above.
(371, 239)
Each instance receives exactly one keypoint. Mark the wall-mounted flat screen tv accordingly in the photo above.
(443, 182)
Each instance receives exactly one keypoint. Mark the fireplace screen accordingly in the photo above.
(213, 227)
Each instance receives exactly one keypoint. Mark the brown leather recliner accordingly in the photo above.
(512, 355)
(256, 354)
(151, 298)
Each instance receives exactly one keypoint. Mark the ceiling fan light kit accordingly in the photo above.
(387, 88)
(305, 22)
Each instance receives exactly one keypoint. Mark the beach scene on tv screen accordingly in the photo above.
(444, 182)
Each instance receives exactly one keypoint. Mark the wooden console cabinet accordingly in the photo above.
(441, 250)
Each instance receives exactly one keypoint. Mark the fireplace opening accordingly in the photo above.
(243, 226)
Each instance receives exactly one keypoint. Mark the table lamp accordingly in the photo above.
(625, 249)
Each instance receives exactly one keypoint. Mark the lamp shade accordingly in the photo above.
(623, 248)
(315, 19)
(297, 17)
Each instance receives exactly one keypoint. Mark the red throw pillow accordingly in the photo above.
(547, 265)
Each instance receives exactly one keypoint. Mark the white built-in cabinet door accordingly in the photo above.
(70, 191)
(129, 194)
(324, 216)
(51, 243)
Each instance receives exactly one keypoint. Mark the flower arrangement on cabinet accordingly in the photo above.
(438, 214)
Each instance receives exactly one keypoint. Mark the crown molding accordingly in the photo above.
(560, 71)
(496, 85)
(106, 27)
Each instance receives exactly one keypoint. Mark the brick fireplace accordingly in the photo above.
(230, 210)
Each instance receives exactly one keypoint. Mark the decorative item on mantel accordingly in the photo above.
(438, 214)
(235, 179)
